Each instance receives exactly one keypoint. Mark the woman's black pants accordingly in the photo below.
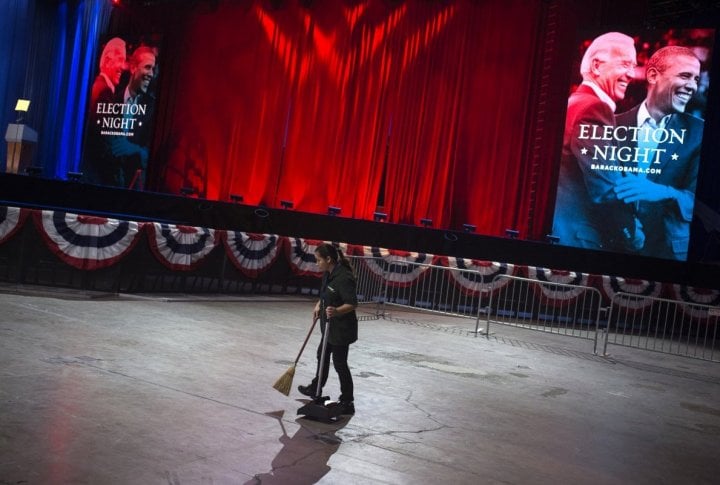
(339, 355)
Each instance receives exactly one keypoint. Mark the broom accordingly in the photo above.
(284, 382)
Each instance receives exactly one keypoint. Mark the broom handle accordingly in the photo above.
(312, 327)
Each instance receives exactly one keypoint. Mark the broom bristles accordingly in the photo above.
(284, 382)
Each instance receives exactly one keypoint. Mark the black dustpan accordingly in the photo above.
(319, 411)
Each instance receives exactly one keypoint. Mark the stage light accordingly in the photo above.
(34, 171)
(512, 233)
(469, 228)
(426, 222)
(552, 239)
(74, 176)
(333, 211)
(187, 190)
(379, 216)
(286, 204)
(236, 198)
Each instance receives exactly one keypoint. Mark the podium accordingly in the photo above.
(21, 140)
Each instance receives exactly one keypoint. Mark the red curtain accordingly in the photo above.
(421, 105)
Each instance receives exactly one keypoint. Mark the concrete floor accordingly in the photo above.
(149, 390)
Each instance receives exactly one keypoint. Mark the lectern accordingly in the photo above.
(21, 140)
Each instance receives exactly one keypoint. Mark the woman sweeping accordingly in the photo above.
(338, 299)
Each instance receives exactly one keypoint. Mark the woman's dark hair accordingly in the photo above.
(326, 250)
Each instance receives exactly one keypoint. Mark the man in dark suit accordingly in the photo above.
(131, 150)
(587, 211)
(666, 143)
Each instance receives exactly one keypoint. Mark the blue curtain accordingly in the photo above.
(15, 30)
(48, 52)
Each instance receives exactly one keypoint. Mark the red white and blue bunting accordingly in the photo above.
(251, 253)
(475, 277)
(612, 286)
(86, 242)
(701, 303)
(301, 254)
(181, 248)
(91, 242)
(398, 268)
(695, 295)
(11, 220)
(554, 291)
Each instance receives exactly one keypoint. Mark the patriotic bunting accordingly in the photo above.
(301, 254)
(477, 277)
(11, 220)
(554, 292)
(181, 248)
(697, 299)
(399, 268)
(695, 295)
(251, 253)
(92, 242)
(86, 242)
(612, 285)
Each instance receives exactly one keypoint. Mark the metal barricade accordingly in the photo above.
(420, 286)
(370, 286)
(662, 325)
(559, 308)
(637, 321)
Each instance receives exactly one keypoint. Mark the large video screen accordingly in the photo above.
(121, 112)
(632, 141)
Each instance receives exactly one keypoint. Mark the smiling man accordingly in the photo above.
(664, 188)
(97, 163)
(588, 213)
(112, 65)
(142, 71)
(131, 150)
